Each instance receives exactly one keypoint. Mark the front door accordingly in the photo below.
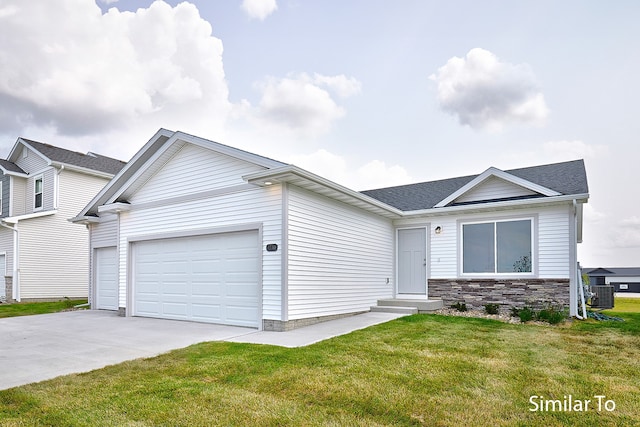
(412, 261)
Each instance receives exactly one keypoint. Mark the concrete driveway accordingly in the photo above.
(37, 348)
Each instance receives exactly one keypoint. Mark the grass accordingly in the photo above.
(30, 308)
(418, 370)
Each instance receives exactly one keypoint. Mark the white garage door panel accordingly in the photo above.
(211, 278)
(106, 279)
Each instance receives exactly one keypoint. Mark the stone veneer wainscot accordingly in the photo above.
(476, 293)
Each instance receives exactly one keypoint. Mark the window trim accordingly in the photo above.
(534, 259)
(35, 193)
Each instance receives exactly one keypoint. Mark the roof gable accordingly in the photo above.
(519, 187)
(567, 178)
(62, 156)
(151, 158)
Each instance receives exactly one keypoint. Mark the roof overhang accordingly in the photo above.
(499, 205)
(317, 184)
(87, 171)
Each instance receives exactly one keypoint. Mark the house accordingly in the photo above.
(42, 255)
(624, 279)
(195, 230)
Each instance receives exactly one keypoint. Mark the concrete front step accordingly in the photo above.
(394, 309)
(423, 305)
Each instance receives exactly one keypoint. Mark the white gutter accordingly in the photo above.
(496, 205)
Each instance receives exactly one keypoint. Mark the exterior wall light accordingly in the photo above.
(438, 230)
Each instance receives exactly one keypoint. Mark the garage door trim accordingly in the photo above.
(131, 240)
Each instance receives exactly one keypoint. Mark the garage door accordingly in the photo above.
(212, 278)
(106, 279)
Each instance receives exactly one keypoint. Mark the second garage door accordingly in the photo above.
(211, 278)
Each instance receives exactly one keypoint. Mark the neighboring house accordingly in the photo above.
(195, 230)
(624, 279)
(42, 255)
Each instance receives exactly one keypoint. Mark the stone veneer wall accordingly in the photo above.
(476, 293)
(8, 286)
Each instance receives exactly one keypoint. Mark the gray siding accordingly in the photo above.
(5, 184)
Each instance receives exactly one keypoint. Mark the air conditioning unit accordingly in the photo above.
(602, 296)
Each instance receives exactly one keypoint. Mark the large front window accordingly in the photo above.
(497, 247)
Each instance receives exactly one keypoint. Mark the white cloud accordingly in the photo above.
(98, 72)
(571, 150)
(374, 174)
(108, 1)
(300, 104)
(342, 85)
(486, 93)
(259, 9)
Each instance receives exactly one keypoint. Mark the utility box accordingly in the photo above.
(602, 296)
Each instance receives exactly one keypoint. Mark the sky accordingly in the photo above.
(367, 93)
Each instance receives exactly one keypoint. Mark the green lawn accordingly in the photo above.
(30, 308)
(419, 370)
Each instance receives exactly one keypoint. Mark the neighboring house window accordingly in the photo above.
(1, 183)
(497, 247)
(38, 193)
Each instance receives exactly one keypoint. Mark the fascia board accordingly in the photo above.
(80, 169)
(129, 168)
(579, 198)
(15, 219)
(229, 151)
(283, 173)
(495, 172)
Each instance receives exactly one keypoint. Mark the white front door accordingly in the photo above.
(412, 261)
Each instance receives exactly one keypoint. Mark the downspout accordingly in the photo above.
(577, 282)
(16, 266)
(56, 188)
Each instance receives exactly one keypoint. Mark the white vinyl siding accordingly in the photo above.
(54, 253)
(340, 259)
(32, 162)
(494, 188)
(551, 240)
(554, 226)
(105, 233)
(18, 196)
(239, 210)
(194, 170)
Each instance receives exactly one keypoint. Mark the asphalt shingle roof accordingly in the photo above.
(92, 161)
(566, 178)
(10, 166)
(616, 271)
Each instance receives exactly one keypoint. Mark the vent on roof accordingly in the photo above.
(91, 154)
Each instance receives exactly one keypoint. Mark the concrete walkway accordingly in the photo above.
(37, 348)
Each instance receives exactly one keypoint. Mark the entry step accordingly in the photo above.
(422, 305)
(394, 309)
